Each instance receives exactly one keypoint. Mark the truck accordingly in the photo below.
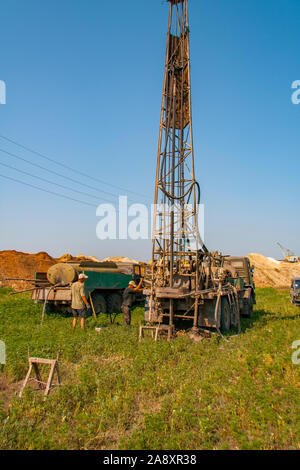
(187, 280)
(224, 290)
(105, 285)
(295, 291)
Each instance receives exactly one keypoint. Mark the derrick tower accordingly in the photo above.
(186, 281)
(176, 237)
(175, 231)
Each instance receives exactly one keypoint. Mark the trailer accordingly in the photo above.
(105, 285)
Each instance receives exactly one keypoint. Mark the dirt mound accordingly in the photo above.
(269, 272)
(19, 265)
(120, 259)
(89, 258)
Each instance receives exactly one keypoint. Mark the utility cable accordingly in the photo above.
(45, 190)
(52, 182)
(70, 168)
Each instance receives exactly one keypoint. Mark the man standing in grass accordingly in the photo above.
(128, 300)
(79, 302)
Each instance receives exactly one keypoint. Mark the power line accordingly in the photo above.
(56, 173)
(70, 168)
(46, 191)
(52, 182)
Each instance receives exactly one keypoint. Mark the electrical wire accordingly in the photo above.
(70, 168)
(56, 173)
(52, 182)
(46, 191)
(54, 193)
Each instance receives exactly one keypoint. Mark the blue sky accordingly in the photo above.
(84, 82)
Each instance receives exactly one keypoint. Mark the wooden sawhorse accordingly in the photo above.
(157, 329)
(47, 386)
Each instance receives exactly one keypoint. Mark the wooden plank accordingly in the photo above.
(58, 374)
(26, 380)
(50, 379)
(39, 360)
(92, 305)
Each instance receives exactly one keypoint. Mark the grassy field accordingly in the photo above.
(241, 392)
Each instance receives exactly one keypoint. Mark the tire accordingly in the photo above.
(225, 315)
(248, 309)
(49, 309)
(99, 303)
(114, 303)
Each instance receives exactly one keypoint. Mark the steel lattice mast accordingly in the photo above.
(186, 281)
(175, 230)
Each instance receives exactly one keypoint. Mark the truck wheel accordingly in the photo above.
(49, 309)
(114, 302)
(248, 309)
(225, 315)
(99, 303)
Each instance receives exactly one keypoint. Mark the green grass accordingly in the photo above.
(118, 394)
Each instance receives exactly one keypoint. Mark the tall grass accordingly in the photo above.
(241, 392)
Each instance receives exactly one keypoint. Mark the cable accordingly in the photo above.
(70, 168)
(53, 193)
(52, 182)
(56, 173)
(45, 190)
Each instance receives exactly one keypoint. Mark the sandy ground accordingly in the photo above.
(269, 272)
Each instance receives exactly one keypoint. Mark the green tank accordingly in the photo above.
(104, 286)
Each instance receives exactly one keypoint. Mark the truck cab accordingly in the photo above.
(295, 291)
(245, 271)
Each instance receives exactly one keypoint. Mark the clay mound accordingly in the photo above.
(19, 265)
(269, 272)
(14, 264)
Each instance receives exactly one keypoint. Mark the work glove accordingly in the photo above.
(88, 306)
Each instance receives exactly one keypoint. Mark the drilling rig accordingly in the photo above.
(187, 281)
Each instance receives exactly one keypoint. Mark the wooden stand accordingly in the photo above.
(47, 386)
(158, 330)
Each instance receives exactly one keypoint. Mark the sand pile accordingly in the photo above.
(88, 258)
(269, 272)
(120, 259)
(18, 265)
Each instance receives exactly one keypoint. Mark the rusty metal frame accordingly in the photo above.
(177, 193)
